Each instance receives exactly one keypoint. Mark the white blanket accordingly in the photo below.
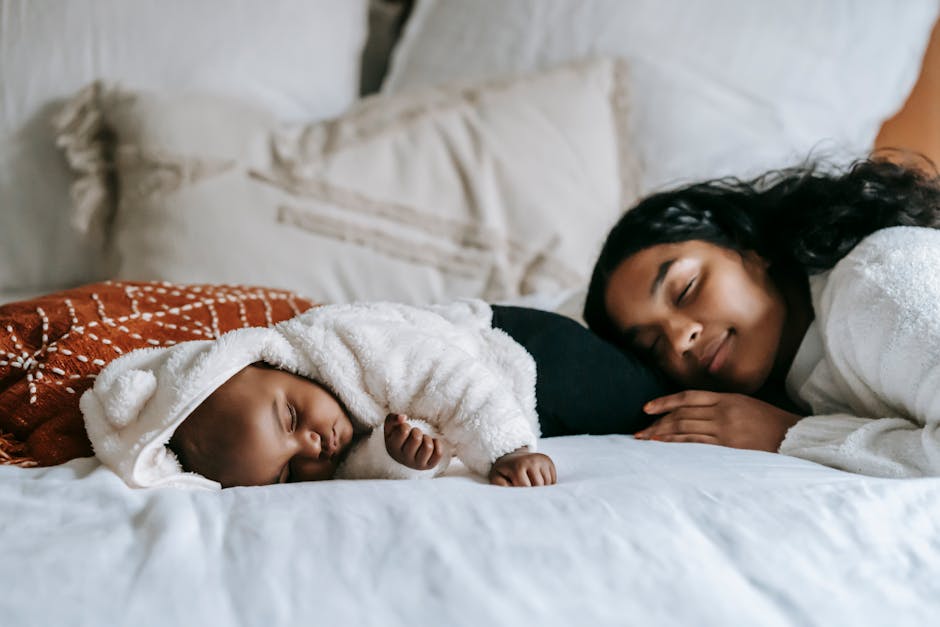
(639, 533)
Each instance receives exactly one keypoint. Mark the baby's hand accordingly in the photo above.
(410, 446)
(522, 468)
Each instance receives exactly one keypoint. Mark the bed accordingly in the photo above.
(609, 100)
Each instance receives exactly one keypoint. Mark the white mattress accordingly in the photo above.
(639, 533)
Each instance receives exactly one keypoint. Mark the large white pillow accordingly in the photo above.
(719, 87)
(491, 190)
(298, 58)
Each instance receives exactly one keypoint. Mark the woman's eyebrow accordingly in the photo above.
(661, 275)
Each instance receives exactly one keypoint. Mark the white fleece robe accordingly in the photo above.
(868, 368)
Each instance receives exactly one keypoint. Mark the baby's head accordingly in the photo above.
(264, 426)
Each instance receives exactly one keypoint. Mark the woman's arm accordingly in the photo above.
(876, 392)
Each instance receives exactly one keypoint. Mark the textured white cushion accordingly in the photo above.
(719, 87)
(299, 58)
(491, 190)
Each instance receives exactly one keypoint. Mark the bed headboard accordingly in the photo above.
(917, 125)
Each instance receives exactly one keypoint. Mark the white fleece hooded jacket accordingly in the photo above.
(473, 384)
(868, 368)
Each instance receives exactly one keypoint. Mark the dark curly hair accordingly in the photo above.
(802, 220)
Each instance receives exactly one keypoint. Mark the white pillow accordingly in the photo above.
(719, 87)
(491, 190)
(298, 58)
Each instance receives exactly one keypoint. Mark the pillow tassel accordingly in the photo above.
(87, 143)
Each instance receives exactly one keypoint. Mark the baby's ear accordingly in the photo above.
(127, 396)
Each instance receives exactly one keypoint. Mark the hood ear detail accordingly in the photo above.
(128, 395)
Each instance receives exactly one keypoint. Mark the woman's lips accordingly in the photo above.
(718, 354)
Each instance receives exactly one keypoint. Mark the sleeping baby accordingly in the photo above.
(370, 390)
(375, 390)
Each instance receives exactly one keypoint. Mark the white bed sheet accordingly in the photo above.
(639, 533)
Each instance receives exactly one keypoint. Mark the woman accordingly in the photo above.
(792, 313)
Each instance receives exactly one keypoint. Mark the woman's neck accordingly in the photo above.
(799, 308)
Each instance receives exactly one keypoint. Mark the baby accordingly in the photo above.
(338, 391)
(266, 426)
(321, 395)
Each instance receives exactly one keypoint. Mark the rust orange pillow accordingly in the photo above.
(52, 348)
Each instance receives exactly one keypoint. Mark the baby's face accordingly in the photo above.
(264, 426)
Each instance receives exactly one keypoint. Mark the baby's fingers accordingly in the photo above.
(393, 422)
(548, 473)
(425, 453)
(534, 476)
(412, 443)
(437, 453)
(497, 478)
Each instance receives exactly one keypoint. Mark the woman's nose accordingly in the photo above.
(683, 333)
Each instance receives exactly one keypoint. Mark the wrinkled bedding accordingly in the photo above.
(635, 533)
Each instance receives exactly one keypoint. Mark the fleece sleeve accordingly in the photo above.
(877, 389)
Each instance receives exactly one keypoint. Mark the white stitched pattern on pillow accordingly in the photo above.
(493, 190)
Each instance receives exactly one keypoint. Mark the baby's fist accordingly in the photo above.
(522, 468)
(410, 446)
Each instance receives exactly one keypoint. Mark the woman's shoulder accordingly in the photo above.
(900, 254)
(898, 267)
(897, 245)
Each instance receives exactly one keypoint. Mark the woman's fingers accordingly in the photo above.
(684, 421)
(700, 439)
(688, 398)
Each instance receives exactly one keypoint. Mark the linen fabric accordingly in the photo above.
(727, 87)
(298, 59)
(488, 190)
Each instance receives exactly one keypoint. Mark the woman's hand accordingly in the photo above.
(410, 446)
(522, 468)
(733, 420)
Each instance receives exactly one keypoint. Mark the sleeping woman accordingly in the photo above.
(798, 312)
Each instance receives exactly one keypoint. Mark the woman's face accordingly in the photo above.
(710, 317)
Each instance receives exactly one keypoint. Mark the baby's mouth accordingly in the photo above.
(329, 446)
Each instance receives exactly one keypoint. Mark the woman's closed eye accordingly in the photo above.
(685, 292)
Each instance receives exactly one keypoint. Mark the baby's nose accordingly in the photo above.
(312, 443)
